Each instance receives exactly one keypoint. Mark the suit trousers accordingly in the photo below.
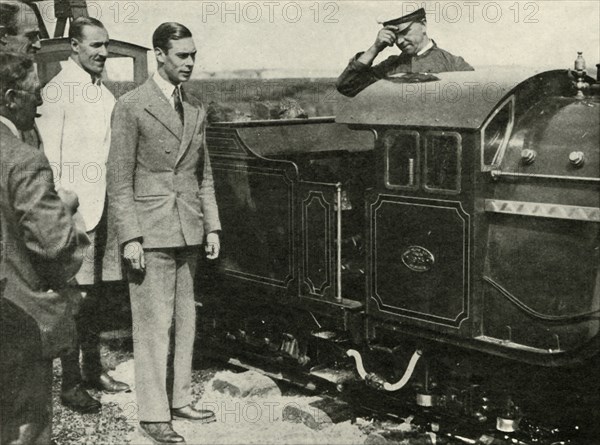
(89, 279)
(88, 320)
(164, 321)
(25, 380)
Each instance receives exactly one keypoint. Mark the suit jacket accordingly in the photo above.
(39, 242)
(160, 182)
(75, 129)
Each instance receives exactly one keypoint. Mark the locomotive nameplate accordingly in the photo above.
(418, 259)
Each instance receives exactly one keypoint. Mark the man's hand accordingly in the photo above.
(213, 245)
(69, 198)
(386, 37)
(134, 255)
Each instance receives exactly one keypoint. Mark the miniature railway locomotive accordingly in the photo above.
(439, 239)
(438, 242)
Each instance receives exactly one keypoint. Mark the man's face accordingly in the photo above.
(26, 99)
(411, 39)
(91, 51)
(27, 38)
(178, 61)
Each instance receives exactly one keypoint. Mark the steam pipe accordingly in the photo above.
(377, 381)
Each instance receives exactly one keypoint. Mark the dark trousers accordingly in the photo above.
(95, 310)
(89, 325)
(25, 380)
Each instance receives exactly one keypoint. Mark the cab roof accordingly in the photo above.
(443, 100)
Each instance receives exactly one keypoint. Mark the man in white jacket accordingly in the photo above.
(75, 129)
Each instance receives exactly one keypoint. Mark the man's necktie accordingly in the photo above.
(178, 103)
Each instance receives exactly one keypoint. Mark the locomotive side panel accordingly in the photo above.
(280, 213)
(420, 259)
(256, 203)
(421, 230)
(541, 275)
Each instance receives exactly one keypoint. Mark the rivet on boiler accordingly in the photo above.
(576, 158)
(528, 156)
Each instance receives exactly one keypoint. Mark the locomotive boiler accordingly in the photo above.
(437, 241)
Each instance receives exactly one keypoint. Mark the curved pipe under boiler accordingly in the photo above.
(387, 386)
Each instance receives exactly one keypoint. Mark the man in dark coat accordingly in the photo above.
(419, 54)
(39, 256)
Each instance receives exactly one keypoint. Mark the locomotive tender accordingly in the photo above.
(439, 230)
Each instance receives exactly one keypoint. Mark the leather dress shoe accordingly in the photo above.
(105, 382)
(160, 432)
(79, 400)
(197, 415)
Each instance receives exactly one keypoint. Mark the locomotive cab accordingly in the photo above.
(484, 222)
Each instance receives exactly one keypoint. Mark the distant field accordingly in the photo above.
(252, 99)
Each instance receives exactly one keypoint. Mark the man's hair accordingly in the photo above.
(169, 31)
(9, 15)
(14, 68)
(77, 25)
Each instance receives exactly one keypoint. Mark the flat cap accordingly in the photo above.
(404, 21)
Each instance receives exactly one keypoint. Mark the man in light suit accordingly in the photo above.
(75, 129)
(39, 252)
(161, 193)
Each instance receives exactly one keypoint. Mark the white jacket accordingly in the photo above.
(75, 129)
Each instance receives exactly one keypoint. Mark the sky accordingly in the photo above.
(319, 37)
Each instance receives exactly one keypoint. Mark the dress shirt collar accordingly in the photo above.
(78, 74)
(11, 126)
(166, 87)
(427, 48)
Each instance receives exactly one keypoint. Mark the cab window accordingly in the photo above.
(495, 134)
(402, 162)
(442, 162)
